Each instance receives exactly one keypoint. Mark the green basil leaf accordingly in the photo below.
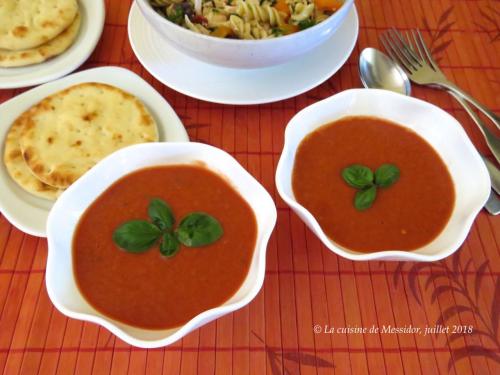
(358, 176)
(169, 245)
(136, 236)
(386, 175)
(161, 214)
(365, 198)
(198, 229)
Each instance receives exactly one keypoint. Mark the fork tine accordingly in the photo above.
(393, 51)
(402, 47)
(389, 50)
(399, 50)
(406, 46)
(417, 44)
(395, 58)
(420, 41)
(416, 51)
(410, 43)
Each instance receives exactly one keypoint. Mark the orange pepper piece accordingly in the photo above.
(328, 4)
(288, 28)
(221, 31)
(282, 6)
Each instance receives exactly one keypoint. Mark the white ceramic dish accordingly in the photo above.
(239, 86)
(29, 213)
(235, 53)
(93, 13)
(438, 128)
(69, 207)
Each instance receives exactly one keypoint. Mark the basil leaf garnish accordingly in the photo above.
(366, 182)
(169, 245)
(386, 175)
(136, 235)
(199, 229)
(365, 198)
(195, 230)
(358, 176)
(161, 214)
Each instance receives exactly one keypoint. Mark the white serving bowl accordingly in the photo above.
(236, 53)
(438, 128)
(63, 218)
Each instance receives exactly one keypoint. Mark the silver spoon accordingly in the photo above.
(379, 71)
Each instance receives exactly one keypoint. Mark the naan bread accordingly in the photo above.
(69, 132)
(30, 23)
(54, 47)
(17, 168)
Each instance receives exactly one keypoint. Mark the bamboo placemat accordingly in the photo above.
(306, 285)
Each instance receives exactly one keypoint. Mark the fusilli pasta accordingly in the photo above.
(246, 19)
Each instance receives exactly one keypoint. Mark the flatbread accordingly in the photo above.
(36, 55)
(30, 23)
(69, 132)
(17, 168)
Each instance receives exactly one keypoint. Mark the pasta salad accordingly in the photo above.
(246, 19)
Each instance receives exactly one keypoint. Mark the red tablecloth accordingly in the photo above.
(306, 285)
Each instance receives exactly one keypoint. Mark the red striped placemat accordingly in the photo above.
(307, 288)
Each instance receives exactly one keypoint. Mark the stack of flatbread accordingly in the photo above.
(33, 31)
(57, 140)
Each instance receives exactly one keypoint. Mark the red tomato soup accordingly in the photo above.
(149, 290)
(405, 216)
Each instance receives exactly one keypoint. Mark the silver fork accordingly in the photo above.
(493, 203)
(415, 58)
(424, 70)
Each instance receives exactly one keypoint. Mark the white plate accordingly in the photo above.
(93, 14)
(239, 86)
(29, 213)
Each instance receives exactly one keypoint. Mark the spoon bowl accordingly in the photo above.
(378, 71)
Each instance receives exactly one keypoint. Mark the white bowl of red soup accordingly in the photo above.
(377, 175)
(157, 240)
